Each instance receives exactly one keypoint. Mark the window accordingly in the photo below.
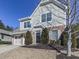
(46, 17)
(27, 24)
(49, 17)
(43, 17)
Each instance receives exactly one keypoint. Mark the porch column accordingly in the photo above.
(34, 37)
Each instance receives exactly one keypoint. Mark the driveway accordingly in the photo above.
(29, 53)
(6, 48)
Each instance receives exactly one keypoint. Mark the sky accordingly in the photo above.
(12, 10)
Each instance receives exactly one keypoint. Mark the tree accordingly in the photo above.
(45, 36)
(8, 28)
(2, 26)
(28, 38)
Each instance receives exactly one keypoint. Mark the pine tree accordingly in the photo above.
(45, 36)
(28, 38)
(8, 28)
(2, 26)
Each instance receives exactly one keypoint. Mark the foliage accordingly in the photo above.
(58, 42)
(74, 41)
(45, 36)
(75, 28)
(2, 26)
(52, 42)
(9, 28)
(28, 38)
(64, 39)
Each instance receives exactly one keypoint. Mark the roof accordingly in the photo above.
(19, 31)
(24, 19)
(5, 32)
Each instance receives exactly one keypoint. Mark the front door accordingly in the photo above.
(38, 37)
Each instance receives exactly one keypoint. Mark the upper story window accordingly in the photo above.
(27, 24)
(49, 17)
(43, 17)
(46, 17)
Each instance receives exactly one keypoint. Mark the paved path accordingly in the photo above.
(75, 53)
(7, 48)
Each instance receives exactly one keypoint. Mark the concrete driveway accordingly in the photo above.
(6, 48)
(29, 53)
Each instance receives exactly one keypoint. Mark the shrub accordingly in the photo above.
(64, 39)
(74, 41)
(45, 36)
(58, 42)
(52, 42)
(28, 38)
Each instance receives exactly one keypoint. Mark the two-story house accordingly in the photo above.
(48, 14)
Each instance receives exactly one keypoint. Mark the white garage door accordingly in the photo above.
(17, 41)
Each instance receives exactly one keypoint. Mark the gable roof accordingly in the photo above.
(55, 2)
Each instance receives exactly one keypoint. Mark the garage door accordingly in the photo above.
(17, 41)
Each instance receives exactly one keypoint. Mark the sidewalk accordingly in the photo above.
(74, 53)
(7, 48)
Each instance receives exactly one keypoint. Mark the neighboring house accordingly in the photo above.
(48, 14)
(5, 35)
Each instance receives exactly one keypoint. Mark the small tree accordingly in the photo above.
(45, 36)
(28, 38)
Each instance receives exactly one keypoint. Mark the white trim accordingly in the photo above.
(21, 19)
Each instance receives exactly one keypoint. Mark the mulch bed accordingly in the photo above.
(38, 46)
